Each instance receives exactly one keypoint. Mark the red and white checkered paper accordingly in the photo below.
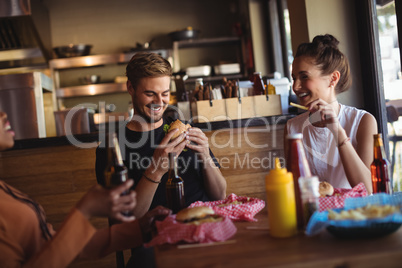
(238, 212)
(170, 231)
(337, 200)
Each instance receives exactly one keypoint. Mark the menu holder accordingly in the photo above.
(239, 108)
(267, 106)
(208, 111)
(235, 108)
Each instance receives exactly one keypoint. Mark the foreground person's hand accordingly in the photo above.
(102, 202)
(148, 220)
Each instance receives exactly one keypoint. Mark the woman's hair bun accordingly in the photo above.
(326, 40)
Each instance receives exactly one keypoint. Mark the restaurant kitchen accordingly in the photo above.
(52, 24)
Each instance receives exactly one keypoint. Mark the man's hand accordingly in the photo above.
(198, 142)
(160, 163)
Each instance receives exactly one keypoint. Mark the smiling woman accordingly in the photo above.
(337, 138)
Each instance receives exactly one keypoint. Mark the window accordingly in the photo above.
(392, 79)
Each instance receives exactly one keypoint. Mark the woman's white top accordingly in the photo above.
(321, 146)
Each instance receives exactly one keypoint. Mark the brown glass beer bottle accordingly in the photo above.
(380, 175)
(174, 186)
(115, 172)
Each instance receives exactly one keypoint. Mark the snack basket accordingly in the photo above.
(237, 208)
(368, 228)
(169, 231)
(337, 200)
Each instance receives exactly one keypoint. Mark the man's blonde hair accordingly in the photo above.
(146, 64)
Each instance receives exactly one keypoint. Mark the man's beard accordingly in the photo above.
(147, 118)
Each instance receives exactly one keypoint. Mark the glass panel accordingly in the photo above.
(392, 76)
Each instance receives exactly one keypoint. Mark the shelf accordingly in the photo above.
(214, 78)
(24, 69)
(58, 65)
(90, 90)
(206, 42)
(20, 54)
(95, 60)
(89, 61)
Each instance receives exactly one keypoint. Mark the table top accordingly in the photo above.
(252, 246)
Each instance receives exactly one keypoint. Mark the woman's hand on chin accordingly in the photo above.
(323, 114)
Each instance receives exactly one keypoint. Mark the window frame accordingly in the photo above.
(370, 60)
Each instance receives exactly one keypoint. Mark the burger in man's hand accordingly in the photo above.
(178, 125)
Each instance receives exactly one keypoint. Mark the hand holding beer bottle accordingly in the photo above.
(115, 171)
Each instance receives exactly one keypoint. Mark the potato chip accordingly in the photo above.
(364, 213)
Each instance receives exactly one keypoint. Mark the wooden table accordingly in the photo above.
(255, 248)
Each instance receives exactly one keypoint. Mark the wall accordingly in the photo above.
(336, 17)
(260, 37)
(115, 26)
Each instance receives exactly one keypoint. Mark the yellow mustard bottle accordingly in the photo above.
(281, 202)
(271, 89)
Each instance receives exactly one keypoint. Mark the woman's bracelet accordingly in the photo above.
(344, 142)
(149, 179)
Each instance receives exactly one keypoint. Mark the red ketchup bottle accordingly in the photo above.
(296, 162)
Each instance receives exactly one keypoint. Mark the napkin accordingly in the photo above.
(320, 220)
(170, 231)
(245, 211)
(337, 200)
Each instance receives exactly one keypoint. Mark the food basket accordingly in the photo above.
(369, 228)
(169, 231)
(337, 200)
(370, 231)
(237, 208)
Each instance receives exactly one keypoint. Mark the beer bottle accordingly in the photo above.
(296, 162)
(174, 186)
(380, 175)
(115, 172)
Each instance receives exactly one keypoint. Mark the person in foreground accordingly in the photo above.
(27, 240)
(145, 145)
(338, 139)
